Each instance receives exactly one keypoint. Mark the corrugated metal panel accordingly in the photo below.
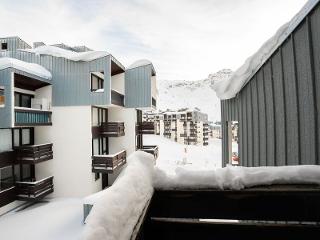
(279, 108)
(138, 87)
(14, 43)
(71, 80)
(6, 111)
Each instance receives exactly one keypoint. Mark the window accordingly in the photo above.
(6, 178)
(2, 97)
(97, 82)
(4, 46)
(22, 100)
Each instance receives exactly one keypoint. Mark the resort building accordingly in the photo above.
(189, 127)
(69, 117)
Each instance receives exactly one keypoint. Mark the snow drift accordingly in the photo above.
(229, 88)
(236, 178)
(118, 208)
(140, 63)
(31, 68)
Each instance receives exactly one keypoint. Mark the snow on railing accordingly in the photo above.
(236, 178)
(117, 209)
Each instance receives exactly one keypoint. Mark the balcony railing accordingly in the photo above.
(32, 117)
(7, 195)
(146, 128)
(117, 98)
(109, 129)
(34, 190)
(32, 154)
(108, 163)
(152, 149)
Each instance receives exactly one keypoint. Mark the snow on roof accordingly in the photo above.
(140, 63)
(74, 56)
(226, 89)
(31, 68)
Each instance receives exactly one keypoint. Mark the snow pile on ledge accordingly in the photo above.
(226, 89)
(140, 63)
(118, 208)
(236, 178)
(31, 68)
(74, 56)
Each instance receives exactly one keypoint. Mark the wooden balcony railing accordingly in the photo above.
(7, 195)
(109, 129)
(108, 163)
(32, 117)
(117, 98)
(34, 190)
(146, 128)
(152, 149)
(32, 154)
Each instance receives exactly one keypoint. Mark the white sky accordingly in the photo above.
(185, 39)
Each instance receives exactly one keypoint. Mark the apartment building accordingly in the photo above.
(188, 127)
(68, 119)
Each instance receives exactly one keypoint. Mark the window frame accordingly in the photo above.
(4, 46)
(100, 82)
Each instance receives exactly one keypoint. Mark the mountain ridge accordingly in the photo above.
(176, 94)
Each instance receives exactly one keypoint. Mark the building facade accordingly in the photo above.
(277, 110)
(189, 127)
(68, 119)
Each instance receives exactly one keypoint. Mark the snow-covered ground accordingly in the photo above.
(171, 154)
(59, 219)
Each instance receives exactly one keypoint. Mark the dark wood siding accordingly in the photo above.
(278, 109)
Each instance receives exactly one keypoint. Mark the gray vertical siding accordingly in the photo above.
(6, 111)
(138, 87)
(14, 43)
(71, 79)
(278, 110)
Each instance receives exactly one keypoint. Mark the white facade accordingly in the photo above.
(71, 136)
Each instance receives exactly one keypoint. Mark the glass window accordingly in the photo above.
(4, 46)
(96, 82)
(25, 101)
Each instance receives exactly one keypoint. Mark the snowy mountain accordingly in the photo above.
(190, 94)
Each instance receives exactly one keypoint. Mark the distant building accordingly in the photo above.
(188, 127)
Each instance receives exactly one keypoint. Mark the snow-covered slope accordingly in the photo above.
(191, 94)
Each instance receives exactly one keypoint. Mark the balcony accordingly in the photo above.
(109, 129)
(34, 190)
(7, 195)
(146, 128)
(31, 117)
(108, 163)
(117, 98)
(152, 149)
(33, 154)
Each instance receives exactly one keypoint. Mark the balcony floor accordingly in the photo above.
(58, 224)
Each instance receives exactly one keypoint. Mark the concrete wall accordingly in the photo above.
(127, 142)
(117, 83)
(71, 138)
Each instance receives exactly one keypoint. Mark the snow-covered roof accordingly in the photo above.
(226, 89)
(141, 63)
(31, 68)
(74, 56)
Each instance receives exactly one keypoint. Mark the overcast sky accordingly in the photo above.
(185, 39)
